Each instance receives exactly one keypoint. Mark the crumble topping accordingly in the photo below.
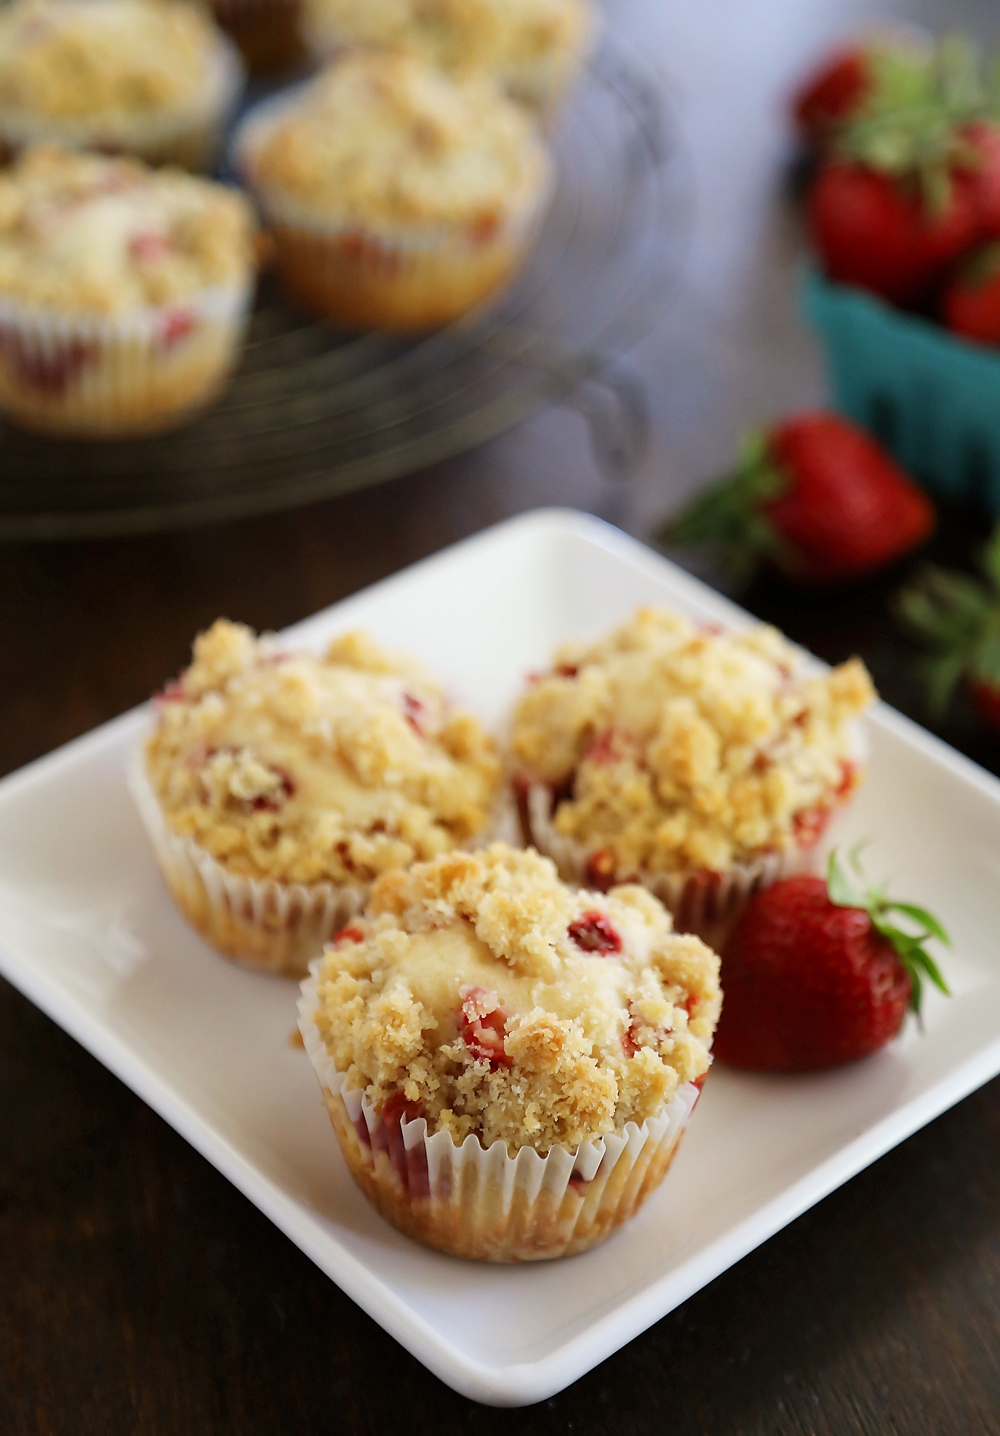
(288, 766)
(492, 999)
(497, 34)
(385, 141)
(671, 746)
(70, 60)
(88, 232)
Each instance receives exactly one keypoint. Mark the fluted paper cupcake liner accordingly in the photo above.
(480, 1202)
(387, 279)
(189, 137)
(139, 371)
(278, 927)
(706, 903)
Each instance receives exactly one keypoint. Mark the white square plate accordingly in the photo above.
(88, 932)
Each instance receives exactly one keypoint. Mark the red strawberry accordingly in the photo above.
(484, 1023)
(958, 618)
(817, 496)
(832, 92)
(888, 63)
(970, 305)
(877, 232)
(915, 178)
(815, 975)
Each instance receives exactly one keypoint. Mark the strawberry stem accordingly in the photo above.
(958, 618)
(727, 516)
(910, 947)
(913, 123)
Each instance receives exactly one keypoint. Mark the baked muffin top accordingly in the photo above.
(454, 34)
(301, 768)
(388, 142)
(492, 999)
(674, 746)
(85, 232)
(87, 60)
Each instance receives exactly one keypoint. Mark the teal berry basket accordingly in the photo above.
(932, 399)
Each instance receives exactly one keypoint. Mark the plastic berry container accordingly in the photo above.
(932, 398)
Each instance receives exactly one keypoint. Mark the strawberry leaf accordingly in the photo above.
(910, 947)
(727, 517)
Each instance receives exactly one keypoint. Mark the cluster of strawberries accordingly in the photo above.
(905, 200)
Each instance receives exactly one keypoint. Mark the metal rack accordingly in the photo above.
(312, 412)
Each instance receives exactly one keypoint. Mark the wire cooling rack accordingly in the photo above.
(312, 412)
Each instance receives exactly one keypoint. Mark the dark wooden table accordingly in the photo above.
(139, 1292)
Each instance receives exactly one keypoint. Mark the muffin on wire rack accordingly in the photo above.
(124, 292)
(703, 763)
(398, 198)
(277, 785)
(152, 78)
(509, 1064)
(534, 48)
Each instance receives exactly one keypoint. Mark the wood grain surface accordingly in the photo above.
(139, 1292)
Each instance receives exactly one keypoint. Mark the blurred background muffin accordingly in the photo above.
(398, 197)
(154, 78)
(123, 291)
(532, 47)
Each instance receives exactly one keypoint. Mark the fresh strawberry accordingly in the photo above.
(816, 974)
(958, 618)
(817, 496)
(970, 305)
(848, 78)
(832, 93)
(878, 233)
(913, 181)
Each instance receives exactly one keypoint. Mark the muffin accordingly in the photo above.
(153, 78)
(534, 48)
(703, 763)
(124, 292)
(509, 1064)
(276, 786)
(398, 198)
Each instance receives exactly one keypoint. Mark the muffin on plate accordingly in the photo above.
(153, 78)
(703, 763)
(277, 785)
(534, 48)
(124, 292)
(398, 198)
(508, 1063)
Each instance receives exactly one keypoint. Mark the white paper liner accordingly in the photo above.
(139, 371)
(480, 1202)
(188, 137)
(381, 278)
(279, 927)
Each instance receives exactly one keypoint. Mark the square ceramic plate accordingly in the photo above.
(89, 933)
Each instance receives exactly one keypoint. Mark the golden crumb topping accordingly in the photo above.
(455, 34)
(494, 1000)
(673, 746)
(87, 232)
(88, 59)
(301, 768)
(387, 142)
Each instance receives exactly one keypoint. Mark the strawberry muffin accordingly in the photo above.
(276, 786)
(124, 292)
(534, 48)
(154, 78)
(509, 1063)
(701, 762)
(398, 197)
